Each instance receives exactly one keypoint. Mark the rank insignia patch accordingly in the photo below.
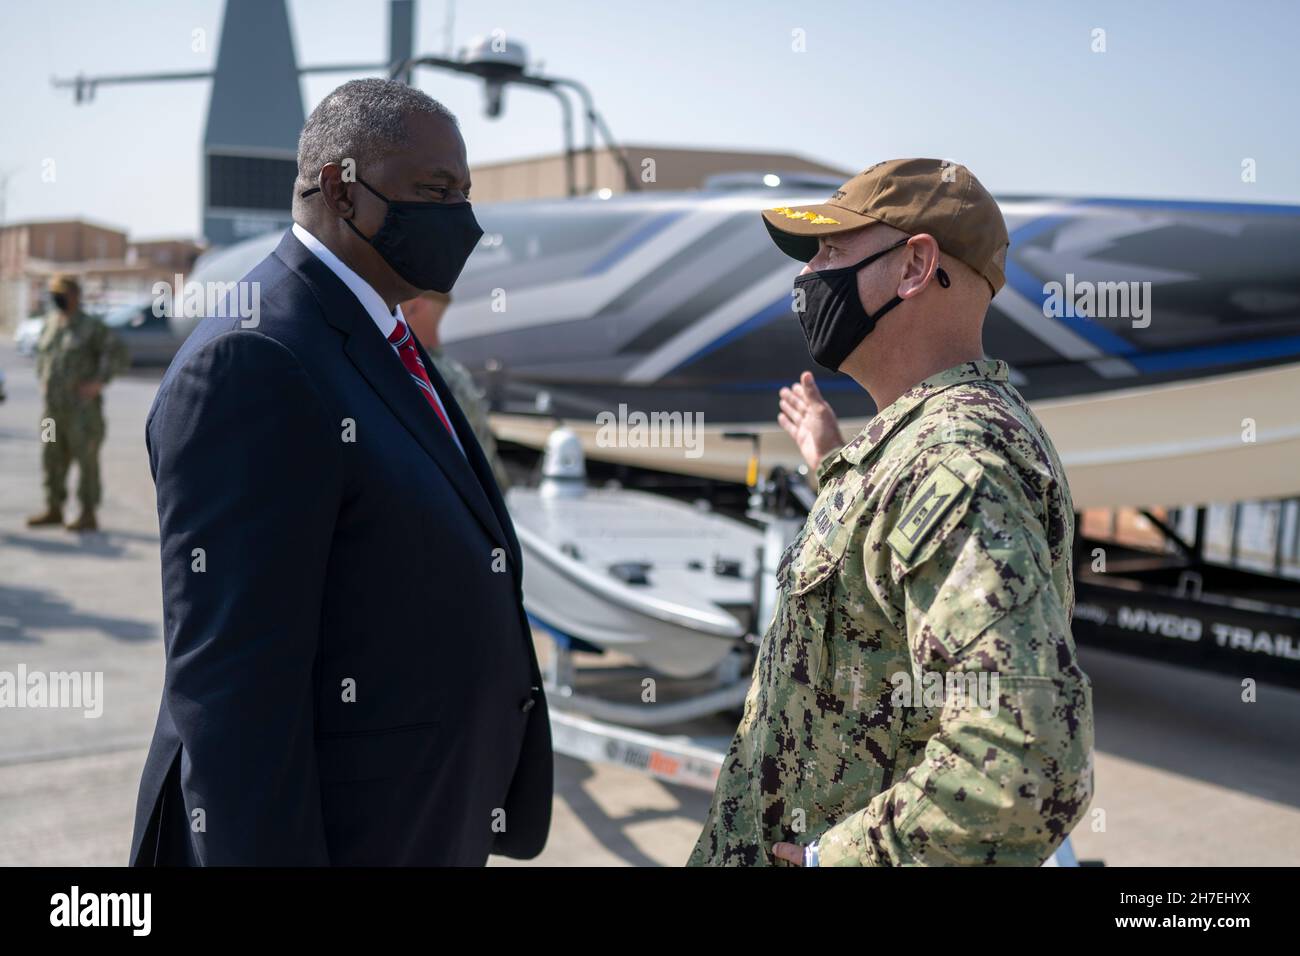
(925, 509)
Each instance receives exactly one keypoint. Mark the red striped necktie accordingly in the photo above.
(401, 339)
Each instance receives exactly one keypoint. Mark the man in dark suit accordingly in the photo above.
(350, 676)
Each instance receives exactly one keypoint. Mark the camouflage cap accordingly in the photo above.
(916, 196)
(65, 283)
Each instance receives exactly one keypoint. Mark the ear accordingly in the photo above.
(920, 262)
(334, 190)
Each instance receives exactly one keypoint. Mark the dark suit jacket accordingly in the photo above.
(350, 677)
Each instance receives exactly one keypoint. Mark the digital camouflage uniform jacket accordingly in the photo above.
(939, 545)
(82, 349)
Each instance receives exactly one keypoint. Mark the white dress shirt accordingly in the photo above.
(370, 301)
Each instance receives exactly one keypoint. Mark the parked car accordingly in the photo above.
(148, 337)
(28, 333)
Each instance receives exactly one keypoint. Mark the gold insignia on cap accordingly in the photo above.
(815, 218)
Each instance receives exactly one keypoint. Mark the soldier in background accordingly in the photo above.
(76, 356)
(916, 699)
(424, 315)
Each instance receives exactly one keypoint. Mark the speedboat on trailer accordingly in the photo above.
(1143, 332)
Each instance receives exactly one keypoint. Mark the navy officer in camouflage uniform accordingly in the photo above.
(76, 355)
(917, 699)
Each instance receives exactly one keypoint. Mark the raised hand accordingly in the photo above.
(809, 420)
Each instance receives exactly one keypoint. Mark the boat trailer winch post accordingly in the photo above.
(780, 503)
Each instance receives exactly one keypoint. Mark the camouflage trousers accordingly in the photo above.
(72, 434)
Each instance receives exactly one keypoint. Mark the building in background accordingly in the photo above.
(112, 269)
(655, 167)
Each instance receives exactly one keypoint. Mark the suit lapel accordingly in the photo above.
(375, 359)
(487, 482)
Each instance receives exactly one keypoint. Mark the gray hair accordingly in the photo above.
(362, 120)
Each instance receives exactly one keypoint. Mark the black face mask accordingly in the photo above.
(426, 243)
(833, 318)
(60, 301)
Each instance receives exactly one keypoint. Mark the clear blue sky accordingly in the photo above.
(1184, 92)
